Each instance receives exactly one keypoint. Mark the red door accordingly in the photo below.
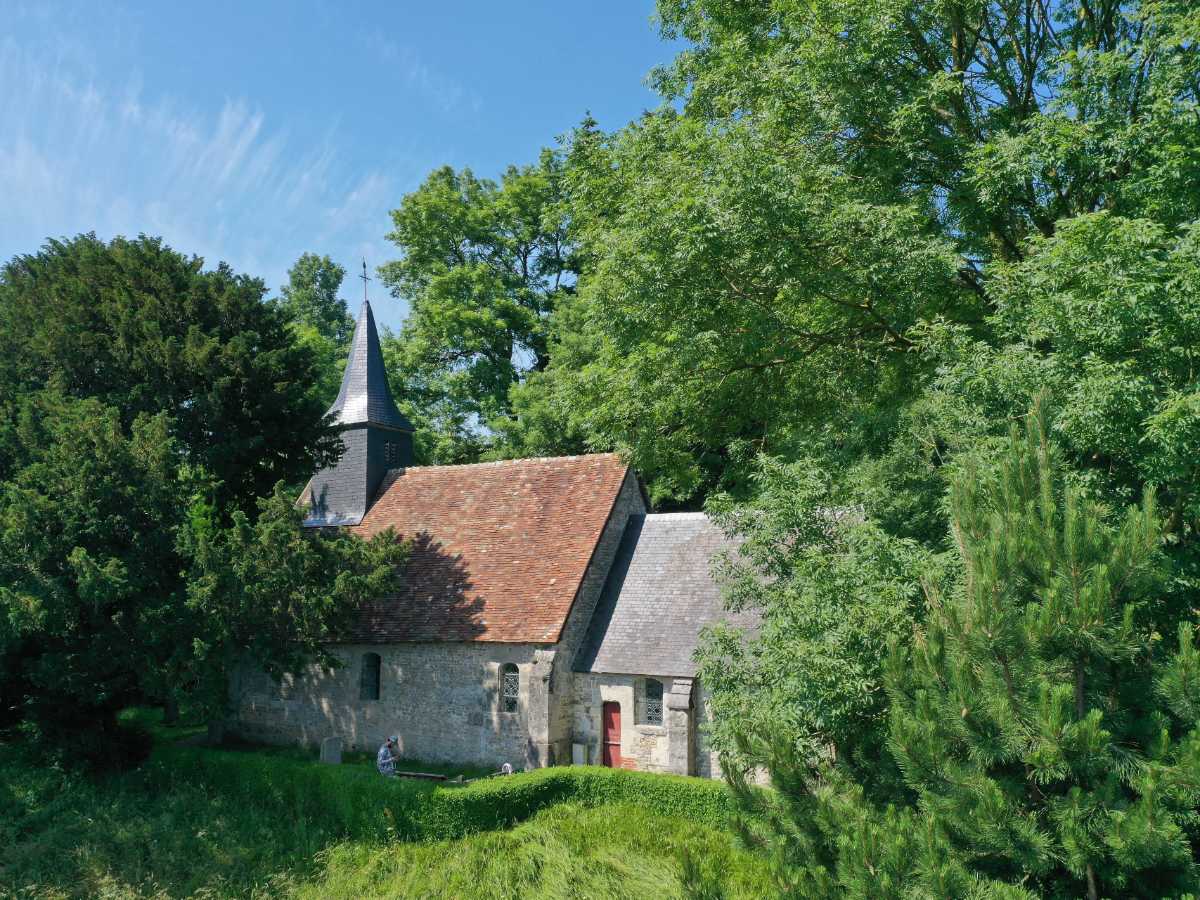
(611, 718)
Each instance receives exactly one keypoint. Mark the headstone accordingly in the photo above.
(579, 754)
(216, 733)
(331, 751)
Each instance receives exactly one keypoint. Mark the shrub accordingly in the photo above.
(354, 801)
(501, 802)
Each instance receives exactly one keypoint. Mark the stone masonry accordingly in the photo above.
(442, 699)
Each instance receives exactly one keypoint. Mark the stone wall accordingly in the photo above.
(442, 700)
(644, 747)
(708, 763)
(629, 502)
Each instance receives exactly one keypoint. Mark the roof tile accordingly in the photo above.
(499, 549)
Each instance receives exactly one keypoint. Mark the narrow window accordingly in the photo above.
(510, 686)
(368, 684)
(654, 694)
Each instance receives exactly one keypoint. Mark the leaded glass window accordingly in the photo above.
(654, 701)
(368, 683)
(510, 686)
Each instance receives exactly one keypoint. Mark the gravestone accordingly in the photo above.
(216, 733)
(331, 750)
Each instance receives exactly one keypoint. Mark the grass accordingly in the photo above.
(195, 821)
(607, 853)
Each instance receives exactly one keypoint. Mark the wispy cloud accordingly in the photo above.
(77, 155)
(446, 94)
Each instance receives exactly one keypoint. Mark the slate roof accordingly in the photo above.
(364, 395)
(658, 596)
(499, 548)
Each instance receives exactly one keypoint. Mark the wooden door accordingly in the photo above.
(611, 718)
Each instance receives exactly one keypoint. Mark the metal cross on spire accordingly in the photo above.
(365, 279)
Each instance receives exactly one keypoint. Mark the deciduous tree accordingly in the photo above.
(483, 265)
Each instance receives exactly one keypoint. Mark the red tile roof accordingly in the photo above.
(499, 549)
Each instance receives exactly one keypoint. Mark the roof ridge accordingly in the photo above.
(678, 515)
(505, 462)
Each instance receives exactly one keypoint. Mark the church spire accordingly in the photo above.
(365, 397)
(376, 435)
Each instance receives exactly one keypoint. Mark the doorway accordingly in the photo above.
(610, 717)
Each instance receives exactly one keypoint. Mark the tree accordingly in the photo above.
(1046, 730)
(483, 265)
(831, 590)
(732, 300)
(87, 564)
(765, 267)
(272, 594)
(145, 330)
(310, 298)
(1000, 117)
(119, 583)
(319, 319)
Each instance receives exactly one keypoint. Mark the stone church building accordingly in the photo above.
(546, 617)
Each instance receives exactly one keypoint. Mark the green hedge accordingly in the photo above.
(503, 801)
(354, 801)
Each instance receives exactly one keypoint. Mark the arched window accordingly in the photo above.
(653, 701)
(510, 686)
(368, 682)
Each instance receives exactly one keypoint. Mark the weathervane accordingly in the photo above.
(365, 279)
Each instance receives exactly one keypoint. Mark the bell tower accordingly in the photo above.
(376, 435)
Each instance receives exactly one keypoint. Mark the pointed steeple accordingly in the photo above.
(365, 397)
(376, 435)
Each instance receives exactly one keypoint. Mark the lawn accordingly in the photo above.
(195, 821)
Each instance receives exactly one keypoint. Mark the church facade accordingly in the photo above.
(546, 618)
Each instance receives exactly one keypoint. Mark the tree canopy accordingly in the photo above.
(483, 266)
(147, 403)
(145, 330)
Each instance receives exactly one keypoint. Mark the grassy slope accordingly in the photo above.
(221, 823)
(602, 853)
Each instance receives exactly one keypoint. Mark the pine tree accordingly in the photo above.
(1037, 717)
(1044, 717)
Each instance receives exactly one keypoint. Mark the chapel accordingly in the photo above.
(546, 617)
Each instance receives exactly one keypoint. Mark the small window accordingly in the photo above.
(510, 687)
(654, 697)
(368, 684)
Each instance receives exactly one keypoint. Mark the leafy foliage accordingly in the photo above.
(729, 297)
(1040, 721)
(89, 576)
(766, 269)
(119, 581)
(832, 590)
(145, 330)
(310, 298)
(1000, 118)
(274, 593)
(319, 319)
(483, 266)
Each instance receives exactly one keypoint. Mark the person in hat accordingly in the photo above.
(385, 760)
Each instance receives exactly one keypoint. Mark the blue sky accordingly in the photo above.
(253, 131)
